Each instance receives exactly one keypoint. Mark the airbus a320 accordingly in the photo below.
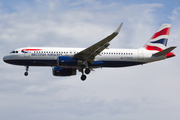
(67, 61)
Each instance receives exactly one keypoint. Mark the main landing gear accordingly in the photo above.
(83, 76)
(26, 73)
(87, 71)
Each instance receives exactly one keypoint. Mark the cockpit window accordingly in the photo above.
(14, 52)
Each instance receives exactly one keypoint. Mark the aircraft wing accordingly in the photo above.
(91, 52)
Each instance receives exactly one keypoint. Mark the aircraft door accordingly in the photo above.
(140, 54)
(27, 54)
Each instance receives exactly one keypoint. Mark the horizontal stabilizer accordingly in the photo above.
(165, 51)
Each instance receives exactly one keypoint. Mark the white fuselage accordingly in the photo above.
(47, 56)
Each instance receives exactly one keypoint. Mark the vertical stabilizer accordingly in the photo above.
(159, 40)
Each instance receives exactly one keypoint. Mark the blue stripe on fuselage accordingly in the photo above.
(54, 63)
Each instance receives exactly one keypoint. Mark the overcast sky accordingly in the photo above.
(144, 92)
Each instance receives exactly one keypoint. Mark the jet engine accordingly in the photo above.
(58, 71)
(67, 61)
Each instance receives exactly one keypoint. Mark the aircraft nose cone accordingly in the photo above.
(6, 58)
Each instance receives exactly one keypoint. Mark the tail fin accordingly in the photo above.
(159, 40)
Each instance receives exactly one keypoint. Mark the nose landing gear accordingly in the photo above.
(26, 73)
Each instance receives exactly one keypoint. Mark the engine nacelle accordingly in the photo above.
(68, 61)
(58, 71)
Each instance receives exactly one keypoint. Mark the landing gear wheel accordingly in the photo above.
(87, 71)
(26, 73)
(83, 77)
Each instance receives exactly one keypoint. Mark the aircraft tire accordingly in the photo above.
(87, 71)
(83, 77)
(26, 73)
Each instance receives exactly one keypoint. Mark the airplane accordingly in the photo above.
(67, 61)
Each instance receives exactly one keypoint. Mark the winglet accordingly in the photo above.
(118, 29)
